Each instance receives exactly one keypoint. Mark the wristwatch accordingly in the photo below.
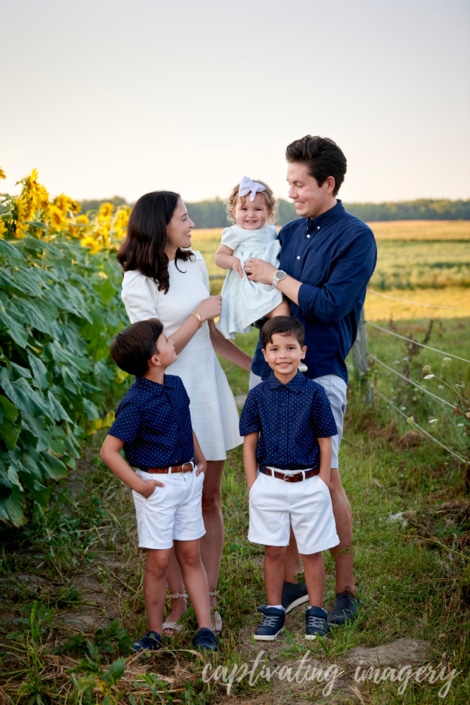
(278, 277)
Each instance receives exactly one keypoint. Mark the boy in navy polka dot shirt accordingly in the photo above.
(153, 428)
(287, 423)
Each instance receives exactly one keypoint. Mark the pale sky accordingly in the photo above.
(123, 97)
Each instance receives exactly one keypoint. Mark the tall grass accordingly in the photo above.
(72, 600)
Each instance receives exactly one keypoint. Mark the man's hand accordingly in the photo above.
(257, 270)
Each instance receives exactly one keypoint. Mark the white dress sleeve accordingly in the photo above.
(232, 237)
(139, 294)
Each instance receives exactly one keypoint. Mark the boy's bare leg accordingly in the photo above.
(315, 578)
(273, 573)
(292, 563)
(212, 543)
(195, 579)
(156, 567)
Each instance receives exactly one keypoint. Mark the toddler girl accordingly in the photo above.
(251, 205)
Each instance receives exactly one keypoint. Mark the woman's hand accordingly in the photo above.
(210, 308)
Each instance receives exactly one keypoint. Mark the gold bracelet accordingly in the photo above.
(197, 315)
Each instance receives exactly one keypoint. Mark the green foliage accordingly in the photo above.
(58, 310)
(419, 386)
(212, 213)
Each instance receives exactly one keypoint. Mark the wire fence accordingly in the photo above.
(389, 363)
(453, 425)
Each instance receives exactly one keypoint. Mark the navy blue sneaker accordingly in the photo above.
(345, 609)
(315, 622)
(205, 639)
(272, 624)
(151, 641)
(293, 595)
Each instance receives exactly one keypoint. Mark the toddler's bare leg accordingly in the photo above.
(282, 310)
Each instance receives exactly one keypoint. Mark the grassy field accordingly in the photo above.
(72, 599)
(71, 585)
(412, 255)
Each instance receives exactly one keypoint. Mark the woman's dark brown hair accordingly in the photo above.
(144, 246)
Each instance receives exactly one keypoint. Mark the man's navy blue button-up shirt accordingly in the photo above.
(289, 419)
(154, 422)
(334, 256)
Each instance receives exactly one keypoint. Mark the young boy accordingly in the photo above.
(288, 423)
(153, 427)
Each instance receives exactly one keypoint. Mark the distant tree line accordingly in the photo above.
(422, 209)
(212, 214)
(92, 205)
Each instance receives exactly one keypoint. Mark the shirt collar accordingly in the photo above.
(326, 218)
(147, 385)
(296, 384)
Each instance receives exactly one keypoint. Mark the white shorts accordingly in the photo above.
(275, 505)
(172, 512)
(335, 388)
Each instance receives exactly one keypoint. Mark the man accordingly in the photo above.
(327, 259)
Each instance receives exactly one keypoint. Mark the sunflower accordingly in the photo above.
(91, 243)
(105, 212)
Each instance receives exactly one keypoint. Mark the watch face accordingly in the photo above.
(280, 275)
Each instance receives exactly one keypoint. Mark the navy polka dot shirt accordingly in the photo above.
(289, 418)
(154, 422)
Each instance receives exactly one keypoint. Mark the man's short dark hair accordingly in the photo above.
(322, 156)
(282, 325)
(132, 348)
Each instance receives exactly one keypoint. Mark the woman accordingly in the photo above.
(166, 280)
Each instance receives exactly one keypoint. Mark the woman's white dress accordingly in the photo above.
(244, 301)
(214, 414)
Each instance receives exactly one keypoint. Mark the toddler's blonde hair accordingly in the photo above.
(268, 194)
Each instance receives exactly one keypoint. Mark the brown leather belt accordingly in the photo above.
(287, 477)
(186, 467)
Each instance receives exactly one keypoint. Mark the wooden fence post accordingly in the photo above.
(361, 359)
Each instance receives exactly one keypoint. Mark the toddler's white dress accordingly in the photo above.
(244, 301)
(214, 413)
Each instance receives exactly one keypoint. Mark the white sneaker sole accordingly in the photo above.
(268, 637)
(296, 603)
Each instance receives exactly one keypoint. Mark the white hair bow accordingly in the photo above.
(247, 186)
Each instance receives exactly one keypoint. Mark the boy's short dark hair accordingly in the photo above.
(284, 325)
(132, 348)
